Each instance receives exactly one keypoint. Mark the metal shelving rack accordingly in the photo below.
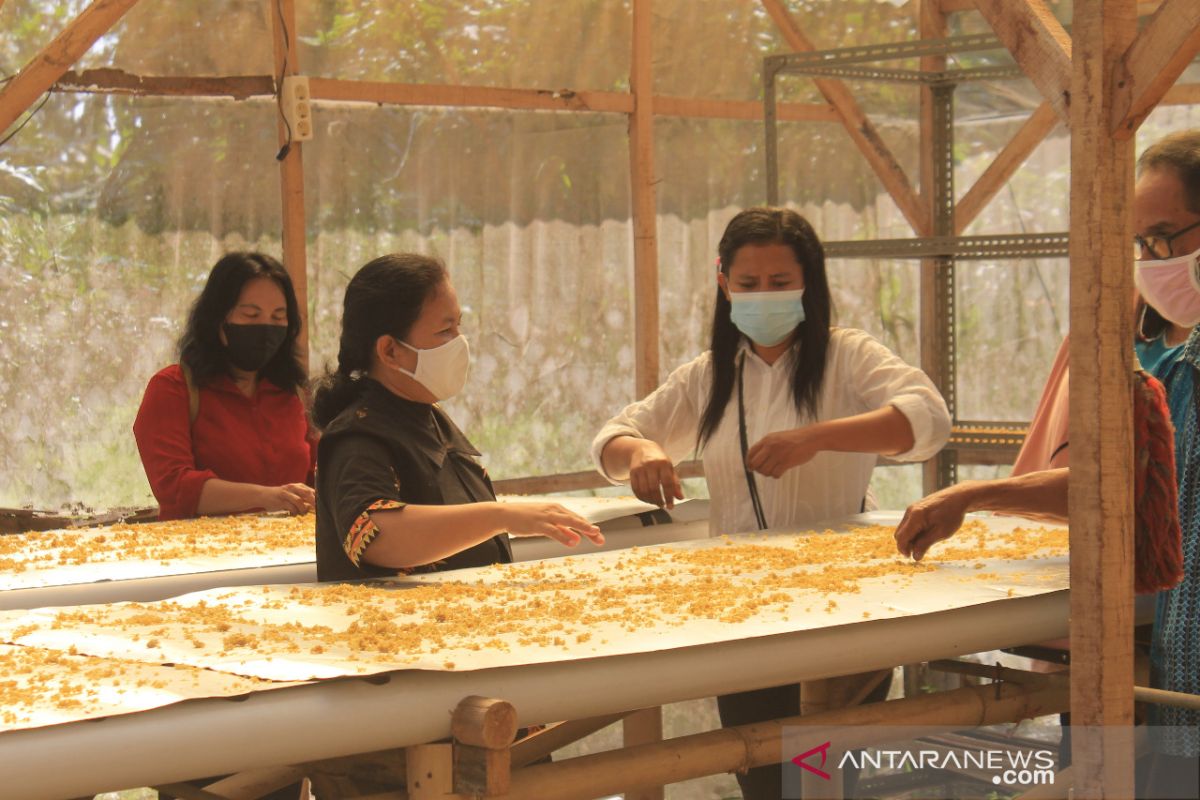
(971, 440)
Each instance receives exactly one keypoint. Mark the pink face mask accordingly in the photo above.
(1172, 287)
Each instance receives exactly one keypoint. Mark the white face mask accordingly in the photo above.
(1172, 287)
(443, 369)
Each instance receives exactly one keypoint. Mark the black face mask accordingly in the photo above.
(250, 347)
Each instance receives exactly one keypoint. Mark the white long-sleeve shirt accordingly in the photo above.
(861, 375)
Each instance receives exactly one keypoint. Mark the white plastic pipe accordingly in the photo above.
(343, 717)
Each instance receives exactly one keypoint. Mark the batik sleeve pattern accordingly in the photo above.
(364, 530)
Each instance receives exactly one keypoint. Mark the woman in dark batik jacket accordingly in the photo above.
(398, 486)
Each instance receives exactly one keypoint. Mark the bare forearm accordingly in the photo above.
(885, 431)
(1037, 495)
(618, 454)
(416, 535)
(224, 497)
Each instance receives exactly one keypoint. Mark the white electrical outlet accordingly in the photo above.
(297, 107)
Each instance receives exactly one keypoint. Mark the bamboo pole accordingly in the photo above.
(1007, 162)
(645, 205)
(861, 130)
(733, 749)
(36, 77)
(291, 168)
(1158, 56)
(1101, 488)
(1162, 697)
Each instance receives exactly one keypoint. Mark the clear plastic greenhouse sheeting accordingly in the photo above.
(112, 209)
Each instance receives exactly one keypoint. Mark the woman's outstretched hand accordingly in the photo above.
(550, 520)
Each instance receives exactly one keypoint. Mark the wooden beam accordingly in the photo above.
(862, 131)
(1144, 7)
(538, 745)
(291, 167)
(1187, 94)
(574, 481)
(1101, 488)
(1007, 162)
(645, 205)
(701, 108)
(36, 78)
(329, 90)
(1039, 44)
(468, 96)
(117, 81)
(1158, 56)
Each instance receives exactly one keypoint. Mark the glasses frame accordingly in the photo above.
(1144, 243)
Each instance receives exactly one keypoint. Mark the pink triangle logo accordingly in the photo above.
(823, 749)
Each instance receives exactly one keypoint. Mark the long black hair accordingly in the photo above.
(200, 348)
(761, 226)
(385, 297)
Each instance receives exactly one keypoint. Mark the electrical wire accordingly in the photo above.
(25, 122)
(287, 47)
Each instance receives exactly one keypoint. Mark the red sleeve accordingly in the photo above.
(164, 439)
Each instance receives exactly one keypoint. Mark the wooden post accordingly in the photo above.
(1101, 489)
(644, 727)
(645, 203)
(291, 168)
(57, 57)
(931, 23)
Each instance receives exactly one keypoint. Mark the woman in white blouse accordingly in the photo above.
(788, 413)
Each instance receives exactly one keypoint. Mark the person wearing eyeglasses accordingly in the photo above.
(1167, 274)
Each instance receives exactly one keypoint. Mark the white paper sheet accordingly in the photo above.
(604, 604)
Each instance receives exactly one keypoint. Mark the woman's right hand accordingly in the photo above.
(550, 520)
(294, 498)
(652, 476)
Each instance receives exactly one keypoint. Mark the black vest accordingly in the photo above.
(432, 463)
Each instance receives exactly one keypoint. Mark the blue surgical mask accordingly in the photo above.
(767, 317)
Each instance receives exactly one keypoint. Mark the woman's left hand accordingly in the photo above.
(776, 453)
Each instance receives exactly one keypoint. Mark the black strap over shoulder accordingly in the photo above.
(751, 484)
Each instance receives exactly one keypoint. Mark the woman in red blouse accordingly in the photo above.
(225, 430)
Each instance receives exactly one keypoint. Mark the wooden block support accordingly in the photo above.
(430, 771)
(480, 771)
(484, 722)
(483, 730)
